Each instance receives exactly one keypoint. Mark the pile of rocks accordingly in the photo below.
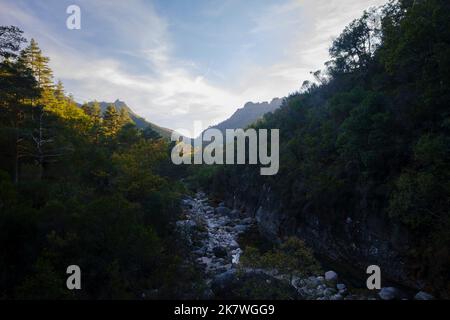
(213, 235)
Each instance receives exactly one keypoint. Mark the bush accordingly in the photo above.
(292, 257)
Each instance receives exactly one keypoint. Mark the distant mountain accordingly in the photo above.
(140, 122)
(248, 115)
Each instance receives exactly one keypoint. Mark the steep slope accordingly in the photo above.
(364, 157)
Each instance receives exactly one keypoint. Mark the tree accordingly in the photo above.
(92, 109)
(17, 88)
(356, 46)
(59, 92)
(150, 134)
(41, 142)
(124, 117)
(11, 40)
(108, 206)
(111, 121)
(33, 58)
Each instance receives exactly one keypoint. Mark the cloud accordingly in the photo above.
(125, 50)
(312, 25)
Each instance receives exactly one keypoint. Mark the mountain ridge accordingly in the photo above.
(249, 114)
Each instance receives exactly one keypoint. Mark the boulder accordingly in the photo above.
(422, 295)
(321, 279)
(388, 293)
(187, 202)
(328, 292)
(223, 211)
(321, 287)
(341, 286)
(220, 252)
(337, 297)
(247, 221)
(312, 282)
(234, 214)
(186, 224)
(331, 277)
(208, 209)
(240, 228)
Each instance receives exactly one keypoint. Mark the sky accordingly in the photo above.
(179, 61)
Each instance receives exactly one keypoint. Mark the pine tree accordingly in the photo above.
(124, 118)
(59, 92)
(11, 40)
(33, 58)
(93, 110)
(17, 88)
(41, 145)
(111, 121)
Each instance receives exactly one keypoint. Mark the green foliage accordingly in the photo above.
(355, 47)
(421, 197)
(372, 138)
(80, 188)
(292, 257)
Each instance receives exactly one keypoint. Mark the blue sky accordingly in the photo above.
(178, 61)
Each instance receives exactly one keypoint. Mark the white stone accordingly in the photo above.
(422, 295)
(331, 276)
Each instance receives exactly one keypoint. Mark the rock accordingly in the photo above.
(247, 221)
(186, 224)
(223, 211)
(240, 228)
(208, 294)
(422, 295)
(234, 214)
(208, 209)
(321, 287)
(295, 281)
(204, 260)
(234, 245)
(251, 285)
(312, 282)
(220, 252)
(221, 280)
(328, 292)
(235, 257)
(187, 202)
(341, 286)
(388, 293)
(200, 251)
(331, 277)
(337, 297)
(343, 292)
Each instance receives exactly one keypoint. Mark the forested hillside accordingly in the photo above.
(125, 110)
(364, 180)
(365, 151)
(78, 186)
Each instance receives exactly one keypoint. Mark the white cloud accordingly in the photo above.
(172, 92)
